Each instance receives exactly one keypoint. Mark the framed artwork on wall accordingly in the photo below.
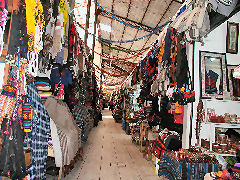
(233, 83)
(213, 75)
(232, 37)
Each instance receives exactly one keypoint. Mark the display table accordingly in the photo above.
(143, 134)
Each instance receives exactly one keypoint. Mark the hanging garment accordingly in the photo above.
(12, 160)
(81, 117)
(58, 36)
(18, 39)
(65, 76)
(68, 132)
(60, 57)
(182, 63)
(167, 47)
(39, 137)
(56, 145)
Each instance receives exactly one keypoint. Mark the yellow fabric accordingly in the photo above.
(160, 55)
(63, 9)
(34, 17)
(177, 108)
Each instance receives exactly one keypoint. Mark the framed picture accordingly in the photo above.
(233, 83)
(230, 69)
(213, 75)
(232, 37)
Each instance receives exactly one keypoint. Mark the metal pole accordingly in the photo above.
(95, 29)
(87, 21)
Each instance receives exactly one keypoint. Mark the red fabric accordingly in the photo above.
(158, 148)
(210, 82)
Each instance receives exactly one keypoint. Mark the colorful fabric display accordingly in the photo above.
(174, 168)
(44, 89)
(38, 138)
(158, 148)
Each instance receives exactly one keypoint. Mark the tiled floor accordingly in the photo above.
(110, 155)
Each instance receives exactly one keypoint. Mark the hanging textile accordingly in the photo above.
(182, 63)
(35, 26)
(39, 137)
(12, 162)
(81, 117)
(3, 21)
(68, 132)
(18, 39)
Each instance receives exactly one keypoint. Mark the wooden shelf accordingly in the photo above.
(223, 125)
(208, 130)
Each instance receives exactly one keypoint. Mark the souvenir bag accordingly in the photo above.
(27, 116)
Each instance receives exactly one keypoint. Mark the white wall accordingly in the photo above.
(215, 42)
(2, 66)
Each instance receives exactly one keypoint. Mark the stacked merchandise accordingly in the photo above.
(81, 117)
(138, 118)
(135, 131)
(186, 165)
(44, 89)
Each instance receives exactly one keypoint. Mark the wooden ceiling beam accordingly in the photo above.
(149, 2)
(120, 47)
(129, 20)
(121, 67)
(160, 20)
(114, 67)
(112, 19)
(129, 6)
(122, 62)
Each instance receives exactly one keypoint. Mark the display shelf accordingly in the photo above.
(222, 125)
(207, 131)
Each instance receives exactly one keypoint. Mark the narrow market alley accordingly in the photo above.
(109, 154)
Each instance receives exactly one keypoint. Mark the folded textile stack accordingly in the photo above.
(173, 167)
(44, 90)
(139, 115)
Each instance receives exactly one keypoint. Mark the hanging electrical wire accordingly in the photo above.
(136, 55)
(123, 22)
(126, 41)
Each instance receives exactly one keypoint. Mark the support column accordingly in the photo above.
(87, 21)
